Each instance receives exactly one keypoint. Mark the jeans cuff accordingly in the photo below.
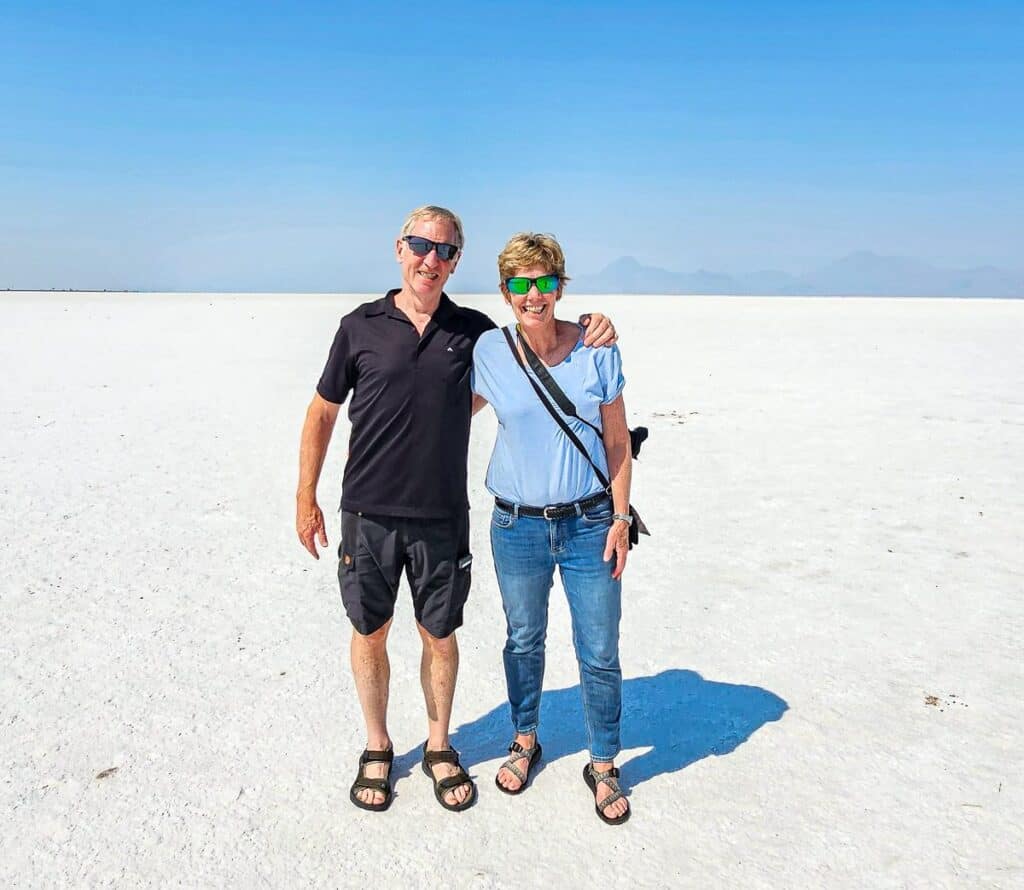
(530, 729)
(600, 758)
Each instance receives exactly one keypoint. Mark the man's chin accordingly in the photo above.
(428, 289)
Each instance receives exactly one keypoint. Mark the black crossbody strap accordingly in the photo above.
(558, 419)
(554, 390)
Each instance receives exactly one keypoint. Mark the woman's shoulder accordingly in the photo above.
(606, 361)
(488, 344)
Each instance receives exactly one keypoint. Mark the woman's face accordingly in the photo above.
(533, 309)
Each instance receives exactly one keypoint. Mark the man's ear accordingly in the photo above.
(398, 249)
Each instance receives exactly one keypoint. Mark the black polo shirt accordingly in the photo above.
(410, 410)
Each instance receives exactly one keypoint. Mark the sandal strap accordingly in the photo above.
(460, 778)
(610, 799)
(448, 755)
(369, 756)
(510, 765)
(373, 784)
(608, 776)
(518, 753)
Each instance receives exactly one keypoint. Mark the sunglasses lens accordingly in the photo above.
(518, 286)
(547, 283)
(419, 246)
(446, 251)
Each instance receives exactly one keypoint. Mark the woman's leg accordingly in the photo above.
(525, 568)
(595, 603)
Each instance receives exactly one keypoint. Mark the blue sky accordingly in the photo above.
(278, 146)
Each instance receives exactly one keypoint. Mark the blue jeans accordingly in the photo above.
(526, 550)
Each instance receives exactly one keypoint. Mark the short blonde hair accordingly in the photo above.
(430, 211)
(527, 249)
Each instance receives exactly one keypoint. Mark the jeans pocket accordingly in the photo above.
(503, 518)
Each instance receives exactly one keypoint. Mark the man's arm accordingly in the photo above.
(598, 330)
(316, 435)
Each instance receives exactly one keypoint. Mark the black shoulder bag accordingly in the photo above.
(636, 437)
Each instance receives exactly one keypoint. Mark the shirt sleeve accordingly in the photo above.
(339, 374)
(481, 378)
(476, 375)
(609, 369)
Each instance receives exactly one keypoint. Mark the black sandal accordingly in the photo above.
(592, 777)
(443, 786)
(518, 752)
(381, 785)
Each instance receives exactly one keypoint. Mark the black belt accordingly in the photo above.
(554, 511)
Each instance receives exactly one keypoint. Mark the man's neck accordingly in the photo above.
(413, 305)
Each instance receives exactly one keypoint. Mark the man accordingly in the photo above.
(406, 360)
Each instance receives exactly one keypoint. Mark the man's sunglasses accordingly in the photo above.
(423, 246)
(519, 285)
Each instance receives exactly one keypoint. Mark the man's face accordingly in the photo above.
(425, 276)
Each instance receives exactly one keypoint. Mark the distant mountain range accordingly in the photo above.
(859, 274)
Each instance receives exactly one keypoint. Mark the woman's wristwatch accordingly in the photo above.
(623, 517)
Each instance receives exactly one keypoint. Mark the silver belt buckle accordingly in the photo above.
(548, 518)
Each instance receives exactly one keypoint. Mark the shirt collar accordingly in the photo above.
(386, 306)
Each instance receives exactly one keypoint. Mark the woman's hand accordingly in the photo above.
(617, 544)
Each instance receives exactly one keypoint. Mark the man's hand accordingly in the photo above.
(599, 330)
(309, 523)
(617, 544)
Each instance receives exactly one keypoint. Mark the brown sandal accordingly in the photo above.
(443, 786)
(381, 785)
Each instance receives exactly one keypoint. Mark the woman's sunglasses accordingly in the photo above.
(519, 285)
(423, 246)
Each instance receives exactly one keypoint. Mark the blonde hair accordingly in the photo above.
(527, 249)
(430, 211)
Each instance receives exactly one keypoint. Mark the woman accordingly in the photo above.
(551, 509)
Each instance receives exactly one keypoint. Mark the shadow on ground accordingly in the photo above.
(677, 714)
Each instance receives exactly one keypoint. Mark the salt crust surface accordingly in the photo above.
(821, 642)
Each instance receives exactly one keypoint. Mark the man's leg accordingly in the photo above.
(439, 667)
(368, 571)
(439, 574)
(371, 671)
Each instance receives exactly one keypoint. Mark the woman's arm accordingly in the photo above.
(620, 472)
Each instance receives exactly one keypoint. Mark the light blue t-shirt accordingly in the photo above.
(533, 461)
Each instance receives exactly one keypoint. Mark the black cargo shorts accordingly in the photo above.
(434, 553)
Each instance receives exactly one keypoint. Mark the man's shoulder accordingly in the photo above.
(363, 311)
(476, 321)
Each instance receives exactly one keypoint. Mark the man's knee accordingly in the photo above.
(438, 645)
(375, 640)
